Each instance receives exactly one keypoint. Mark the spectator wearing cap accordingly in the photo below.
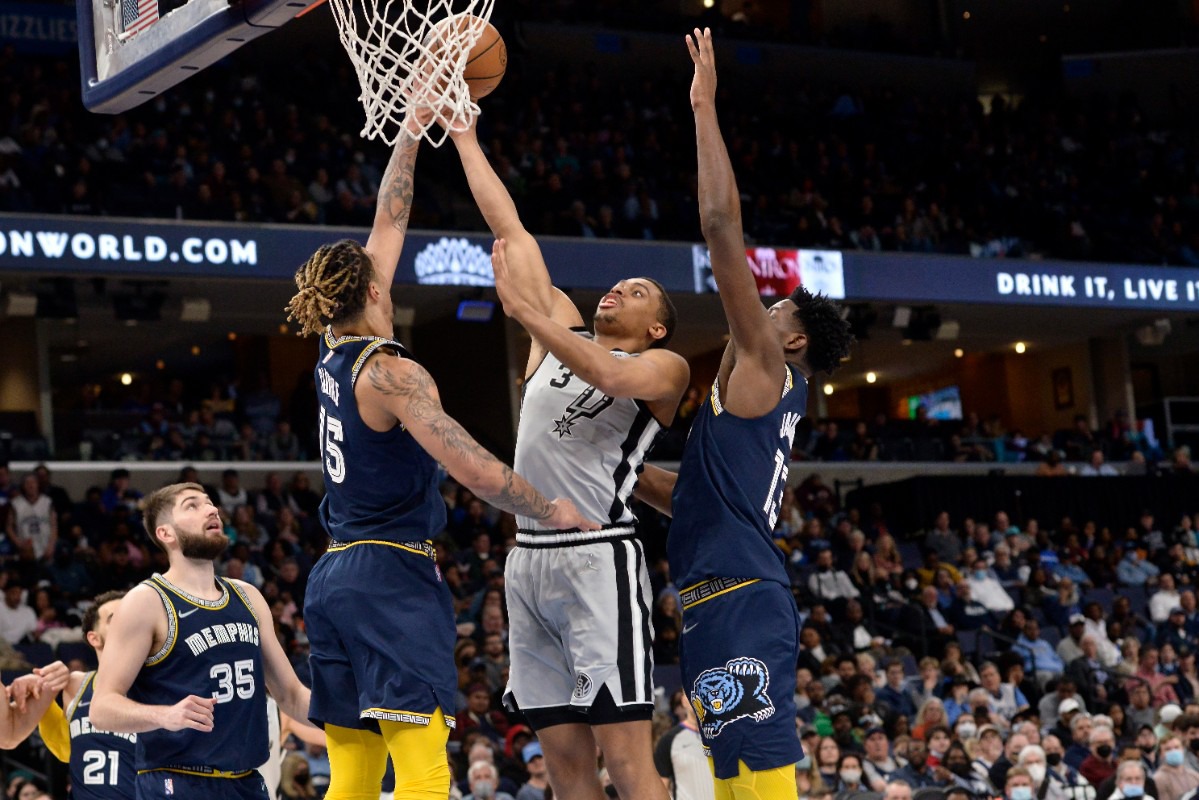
(1166, 716)
(1174, 778)
(1164, 600)
(879, 765)
(987, 753)
(538, 781)
(1040, 659)
(1173, 631)
(678, 756)
(1063, 698)
(986, 589)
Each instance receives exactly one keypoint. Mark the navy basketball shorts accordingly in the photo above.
(380, 623)
(738, 651)
(163, 784)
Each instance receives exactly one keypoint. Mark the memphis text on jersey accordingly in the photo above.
(82, 726)
(214, 635)
(328, 383)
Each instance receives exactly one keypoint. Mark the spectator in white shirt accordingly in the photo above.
(1097, 466)
(1165, 598)
(987, 590)
(829, 583)
(17, 619)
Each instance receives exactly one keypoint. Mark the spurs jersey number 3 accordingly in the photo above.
(575, 441)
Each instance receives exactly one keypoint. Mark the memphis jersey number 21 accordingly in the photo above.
(330, 434)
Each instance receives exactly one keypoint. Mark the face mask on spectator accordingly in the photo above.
(1053, 759)
(851, 775)
(484, 789)
(1175, 758)
(1021, 793)
(1194, 745)
(1104, 751)
(980, 574)
(1133, 790)
(1037, 773)
(967, 730)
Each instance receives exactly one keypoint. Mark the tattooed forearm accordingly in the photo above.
(493, 481)
(395, 197)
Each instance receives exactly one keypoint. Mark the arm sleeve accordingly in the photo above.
(56, 733)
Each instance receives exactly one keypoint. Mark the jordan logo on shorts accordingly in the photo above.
(723, 695)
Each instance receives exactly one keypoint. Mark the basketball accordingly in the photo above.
(487, 62)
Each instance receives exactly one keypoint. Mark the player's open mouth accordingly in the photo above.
(609, 301)
(214, 526)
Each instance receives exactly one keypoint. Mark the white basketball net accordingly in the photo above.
(411, 53)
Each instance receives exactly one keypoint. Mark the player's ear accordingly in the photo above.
(92, 638)
(795, 341)
(657, 331)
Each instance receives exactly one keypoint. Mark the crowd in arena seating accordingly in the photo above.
(866, 170)
(963, 657)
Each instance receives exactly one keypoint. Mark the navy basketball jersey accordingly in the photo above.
(729, 490)
(102, 763)
(211, 650)
(377, 485)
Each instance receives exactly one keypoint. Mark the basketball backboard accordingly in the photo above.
(128, 53)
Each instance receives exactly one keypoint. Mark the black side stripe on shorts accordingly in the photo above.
(647, 636)
(640, 423)
(625, 658)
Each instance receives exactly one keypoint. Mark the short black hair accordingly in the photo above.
(668, 315)
(92, 615)
(829, 337)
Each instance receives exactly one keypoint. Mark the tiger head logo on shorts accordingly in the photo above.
(726, 694)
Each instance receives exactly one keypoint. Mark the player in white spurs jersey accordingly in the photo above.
(578, 602)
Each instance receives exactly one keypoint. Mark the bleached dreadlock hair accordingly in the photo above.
(332, 286)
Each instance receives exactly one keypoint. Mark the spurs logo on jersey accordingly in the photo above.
(575, 441)
(586, 405)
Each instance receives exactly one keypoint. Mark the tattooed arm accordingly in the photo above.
(407, 390)
(391, 214)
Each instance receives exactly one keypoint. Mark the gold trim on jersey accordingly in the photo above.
(419, 548)
(87, 678)
(199, 772)
(363, 356)
(717, 406)
(172, 626)
(413, 717)
(704, 591)
(241, 593)
(333, 342)
(199, 602)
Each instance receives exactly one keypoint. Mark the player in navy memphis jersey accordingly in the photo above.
(188, 660)
(580, 633)
(379, 618)
(101, 762)
(740, 637)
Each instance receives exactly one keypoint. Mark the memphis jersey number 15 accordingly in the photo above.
(329, 435)
(782, 460)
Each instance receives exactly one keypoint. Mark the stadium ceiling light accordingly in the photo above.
(1021, 347)
(871, 377)
(828, 388)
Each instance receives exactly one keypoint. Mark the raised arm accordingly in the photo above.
(407, 390)
(395, 204)
(131, 637)
(655, 487)
(653, 376)
(759, 355)
(281, 681)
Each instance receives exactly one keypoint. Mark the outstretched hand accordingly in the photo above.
(513, 301)
(703, 85)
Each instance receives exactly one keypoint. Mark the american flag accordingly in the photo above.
(137, 15)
